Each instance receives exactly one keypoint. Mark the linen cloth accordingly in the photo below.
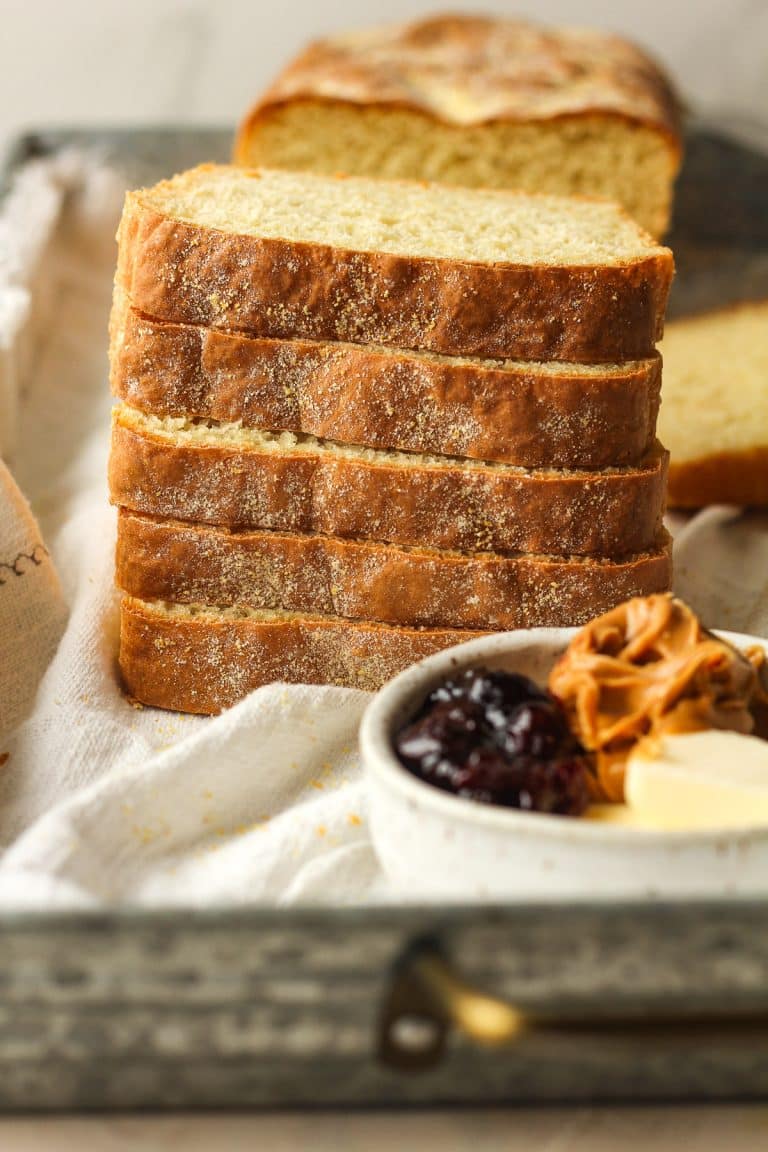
(104, 803)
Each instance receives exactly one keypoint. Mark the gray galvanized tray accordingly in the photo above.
(270, 1007)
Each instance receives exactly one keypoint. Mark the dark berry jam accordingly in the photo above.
(498, 738)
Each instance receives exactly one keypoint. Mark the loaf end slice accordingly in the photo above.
(715, 411)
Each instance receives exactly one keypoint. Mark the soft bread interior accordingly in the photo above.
(219, 614)
(596, 155)
(179, 430)
(208, 612)
(715, 392)
(404, 218)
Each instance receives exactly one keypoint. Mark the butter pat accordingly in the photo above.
(612, 814)
(712, 779)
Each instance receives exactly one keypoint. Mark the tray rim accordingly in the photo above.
(422, 916)
(450, 915)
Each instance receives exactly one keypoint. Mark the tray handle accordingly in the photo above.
(427, 999)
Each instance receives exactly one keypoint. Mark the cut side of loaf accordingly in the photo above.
(533, 415)
(204, 659)
(463, 272)
(479, 101)
(714, 416)
(186, 563)
(600, 154)
(237, 477)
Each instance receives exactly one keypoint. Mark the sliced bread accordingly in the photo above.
(714, 417)
(463, 272)
(534, 415)
(195, 658)
(481, 101)
(237, 477)
(189, 564)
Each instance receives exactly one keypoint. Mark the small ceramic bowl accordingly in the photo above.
(433, 844)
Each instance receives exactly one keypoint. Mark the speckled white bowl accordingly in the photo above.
(433, 844)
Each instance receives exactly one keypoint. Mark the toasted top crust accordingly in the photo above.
(475, 69)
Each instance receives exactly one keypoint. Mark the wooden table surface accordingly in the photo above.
(737, 1128)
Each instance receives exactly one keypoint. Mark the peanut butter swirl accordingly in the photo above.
(645, 668)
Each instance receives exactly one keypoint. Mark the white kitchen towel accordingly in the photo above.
(130, 804)
(28, 219)
(104, 803)
(14, 316)
(99, 800)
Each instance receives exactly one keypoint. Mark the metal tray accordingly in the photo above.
(407, 1005)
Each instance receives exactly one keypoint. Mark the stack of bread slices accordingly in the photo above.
(362, 420)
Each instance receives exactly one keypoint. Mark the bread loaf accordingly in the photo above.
(481, 101)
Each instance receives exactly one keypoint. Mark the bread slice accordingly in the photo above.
(534, 415)
(196, 658)
(715, 411)
(417, 587)
(499, 275)
(237, 477)
(480, 101)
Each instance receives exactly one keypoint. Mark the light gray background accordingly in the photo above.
(204, 61)
(129, 61)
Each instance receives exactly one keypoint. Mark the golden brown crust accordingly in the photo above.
(473, 69)
(724, 478)
(361, 395)
(189, 564)
(204, 663)
(191, 274)
(479, 508)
